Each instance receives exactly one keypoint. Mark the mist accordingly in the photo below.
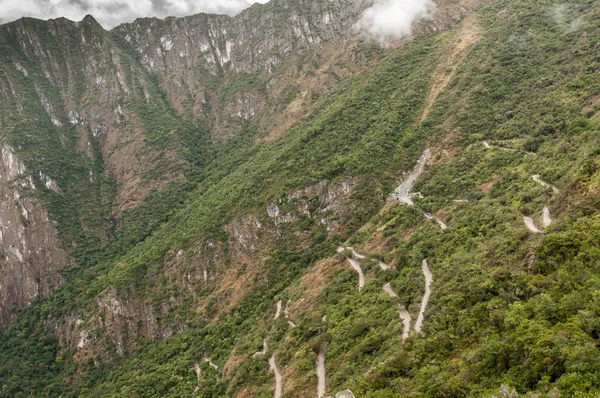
(110, 13)
(389, 20)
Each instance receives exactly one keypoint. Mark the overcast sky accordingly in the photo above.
(113, 12)
(384, 21)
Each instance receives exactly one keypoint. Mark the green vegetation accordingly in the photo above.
(508, 307)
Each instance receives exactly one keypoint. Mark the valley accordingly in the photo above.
(272, 205)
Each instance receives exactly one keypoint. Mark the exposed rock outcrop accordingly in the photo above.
(31, 256)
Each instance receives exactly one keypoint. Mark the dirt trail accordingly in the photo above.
(286, 313)
(404, 314)
(197, 370)
(275, 369)
(546, 218)
(384, 266)
(457, 50)
(388, 289)
(264, 349)
(361, 276)
(488, 146)
(278, 310)
(425, 300)
(440, 222)
(531, 225)
(537, 179)
(404, 191)
(442, 225)
(354, 253)
(321, 373)
(210, 362)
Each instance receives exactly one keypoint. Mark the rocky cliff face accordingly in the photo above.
(200, 58)
(31, 256)
(257, 40)
(267, 65)
(70, 114)
(84, 83)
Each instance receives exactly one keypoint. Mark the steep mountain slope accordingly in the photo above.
(249, 254)
(90, 134)
(115, 127)
(269, 64)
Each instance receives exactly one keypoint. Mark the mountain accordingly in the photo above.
(230, 206)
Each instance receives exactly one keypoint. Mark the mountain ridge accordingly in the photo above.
(180, 295)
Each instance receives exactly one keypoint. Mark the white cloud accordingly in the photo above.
(113, 12)
(387, 20)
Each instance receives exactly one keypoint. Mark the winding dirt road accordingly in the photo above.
(384, 266)
(537, 179)
(546, 220)
(440, 222)
(275, 369)
(197, 370)
(210, 362)
(501, 148)
(264, 349)
(442, 225)
(425, 300)
(321, 373)
(361, 276)
(404, 191)
(355, 254)
(278, 309)
(404, 314)
(388, 289)
(531, 225)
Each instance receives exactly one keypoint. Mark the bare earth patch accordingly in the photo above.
(458, 48)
